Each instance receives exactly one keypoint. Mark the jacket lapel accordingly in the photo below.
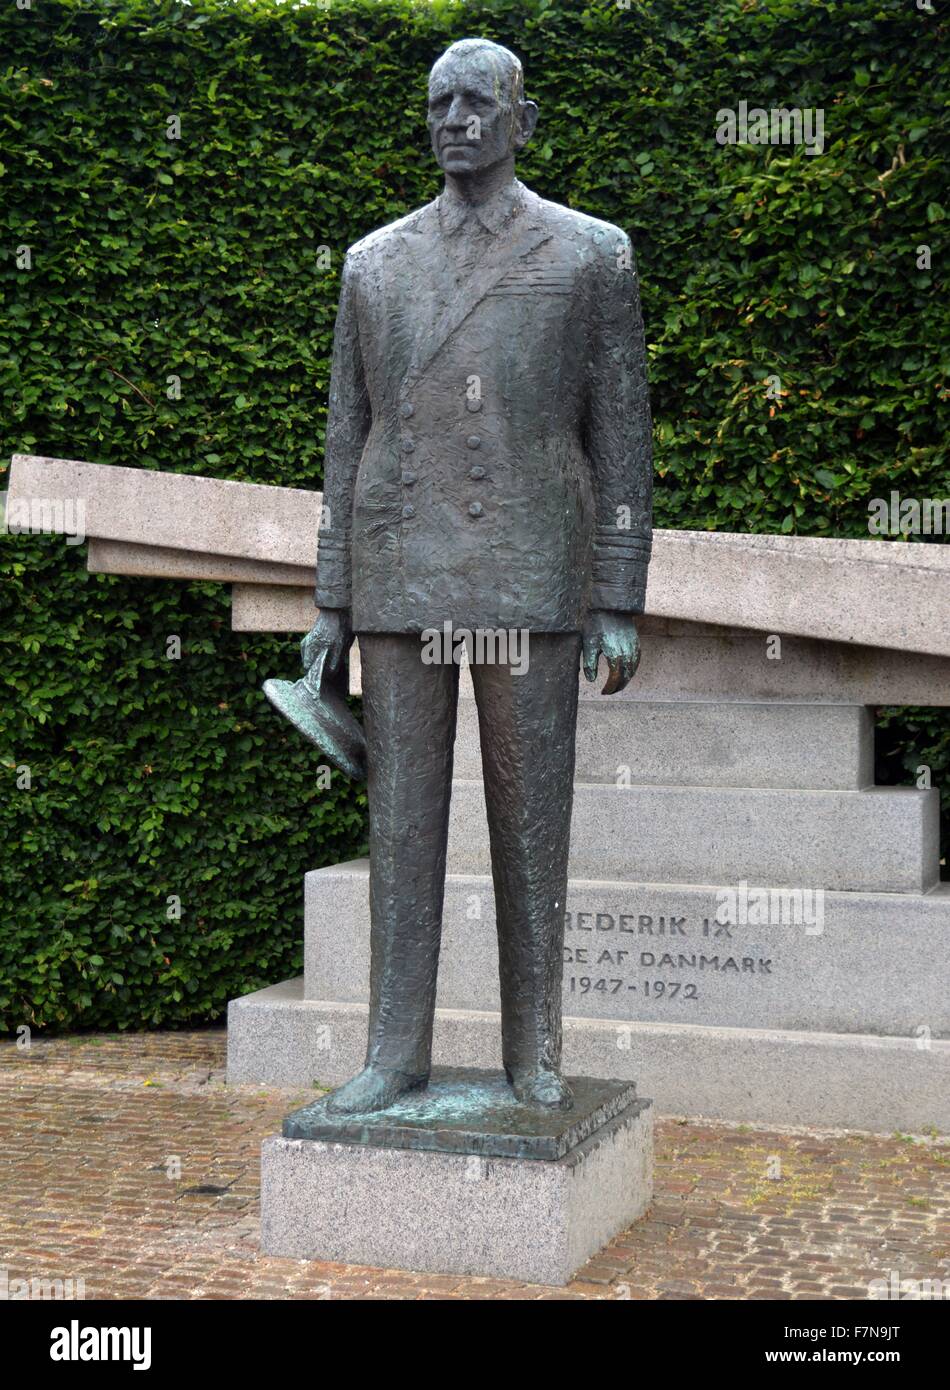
(492, 268)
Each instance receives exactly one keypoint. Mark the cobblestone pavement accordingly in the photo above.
(126, 1162)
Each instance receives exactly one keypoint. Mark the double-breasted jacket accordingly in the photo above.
(488, 451)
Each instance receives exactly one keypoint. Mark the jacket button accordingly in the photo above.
(473, 406)
(475, 509)
(409, 479)
(474, 441)
(408, 444)
(476, 472)
(408, 511)
(406, 409)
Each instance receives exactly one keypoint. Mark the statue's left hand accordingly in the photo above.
(332, 633)
(614, 636)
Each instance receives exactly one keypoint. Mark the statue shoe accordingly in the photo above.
(541, 1086)
(372, 1089)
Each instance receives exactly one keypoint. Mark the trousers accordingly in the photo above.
(527, 723)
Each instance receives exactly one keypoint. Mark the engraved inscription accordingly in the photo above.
(663, 957)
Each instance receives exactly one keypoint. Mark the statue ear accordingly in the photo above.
(527, 120)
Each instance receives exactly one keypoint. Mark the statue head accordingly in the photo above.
(478, 117)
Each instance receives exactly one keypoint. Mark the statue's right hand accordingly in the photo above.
(331, 633)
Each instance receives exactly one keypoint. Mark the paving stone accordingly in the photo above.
(165, 1249)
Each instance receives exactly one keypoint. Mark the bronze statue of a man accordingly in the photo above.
(488, 465)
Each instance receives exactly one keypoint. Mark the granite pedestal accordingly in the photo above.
(461, 1179)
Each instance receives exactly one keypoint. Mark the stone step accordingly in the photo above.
(759, 1076)
(645, 952)
(882, 839)
(716, 743)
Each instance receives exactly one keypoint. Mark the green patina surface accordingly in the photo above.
(470, 1111)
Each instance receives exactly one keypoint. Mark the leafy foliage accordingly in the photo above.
(200, 258)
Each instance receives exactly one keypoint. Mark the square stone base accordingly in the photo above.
(530, 1219)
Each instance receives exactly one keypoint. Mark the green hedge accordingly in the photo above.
(200, 258)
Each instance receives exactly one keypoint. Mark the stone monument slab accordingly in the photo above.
(723, 743)
(676, 953)
(876, 840)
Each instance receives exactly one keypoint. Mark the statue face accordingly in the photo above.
(471, 120)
